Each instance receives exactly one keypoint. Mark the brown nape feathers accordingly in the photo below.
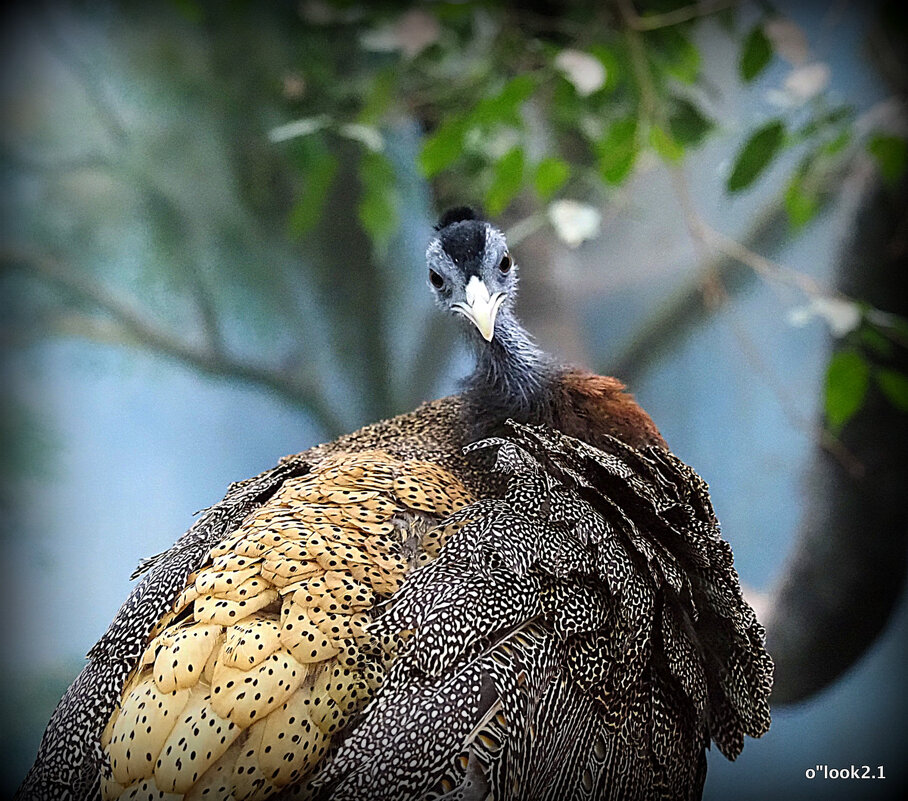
(516, 592)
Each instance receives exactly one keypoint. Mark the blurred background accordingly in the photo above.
(213, 224)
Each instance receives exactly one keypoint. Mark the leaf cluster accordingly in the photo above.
(509, 100)
(863, 362)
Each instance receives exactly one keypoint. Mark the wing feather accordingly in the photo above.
(584, 636)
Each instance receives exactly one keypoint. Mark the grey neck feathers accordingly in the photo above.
(512, 378)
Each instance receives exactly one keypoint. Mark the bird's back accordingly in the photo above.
(553, 619)
(244, 648)
(582, 637)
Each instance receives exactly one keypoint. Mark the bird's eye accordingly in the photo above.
(436, 280)
(505, 264)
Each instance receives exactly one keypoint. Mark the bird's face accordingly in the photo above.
(471, 272)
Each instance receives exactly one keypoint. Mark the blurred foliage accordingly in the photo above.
(891, 155)
(847, 380)
(758, 152)
(756, 53)
(304, 130)
(866, 358)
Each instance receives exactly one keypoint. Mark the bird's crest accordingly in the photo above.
(455, 215)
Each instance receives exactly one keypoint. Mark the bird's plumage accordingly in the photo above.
(517, 592)
(578, 601)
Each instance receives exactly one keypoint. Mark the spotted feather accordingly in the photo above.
(596, 677)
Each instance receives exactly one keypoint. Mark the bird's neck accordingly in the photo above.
(512, 378)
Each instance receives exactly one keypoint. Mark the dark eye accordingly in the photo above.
(436, 280)
(505, 264)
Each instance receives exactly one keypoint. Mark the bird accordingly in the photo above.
(513, 592)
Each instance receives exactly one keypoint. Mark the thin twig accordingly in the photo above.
(702, 232)
(94, 92)
(527, 226)
(767, 268)
(54, 166)
(639, 61)
(652, 22)
(706, 237)
(205, 302)
(131, 325)
(712, 290)
(817, 433)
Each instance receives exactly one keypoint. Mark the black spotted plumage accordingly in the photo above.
(407, 612)
(585, 658)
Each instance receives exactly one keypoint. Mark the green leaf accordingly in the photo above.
(320, 167)
(667, 148)
(847, 379)
(443, 147)
(617, 151)
(837, 144)
(874, 340)
(379, 96)
(894, 386)
(801, 205)
(550, 175)
(507, 178)
(567, 107)
(756, 155)
(687, 124)
(681, 56)
(756, 54)
(891, 154)
(378, 200)
(504, 107)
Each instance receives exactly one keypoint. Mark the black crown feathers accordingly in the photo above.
(456, 215)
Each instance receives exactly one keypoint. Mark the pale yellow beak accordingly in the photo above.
(481, 309)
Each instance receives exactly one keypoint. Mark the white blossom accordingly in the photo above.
(804, 83)
(574, 222)
(411, 33)
(303, 127)
(368, 135)
(584, 71)
(842, 316)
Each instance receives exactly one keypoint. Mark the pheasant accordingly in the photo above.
(516, 592)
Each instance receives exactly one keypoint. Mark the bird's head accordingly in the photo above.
(471, 273)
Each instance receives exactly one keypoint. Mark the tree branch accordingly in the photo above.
(639, 61)
(134, 327)
(652, 22)
(773, 272)
(54, 166)
(734, 263)
(204, 300)
(94, 92)
(688, 306)
(852, 544)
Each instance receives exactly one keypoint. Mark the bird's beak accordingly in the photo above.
(481, 308)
